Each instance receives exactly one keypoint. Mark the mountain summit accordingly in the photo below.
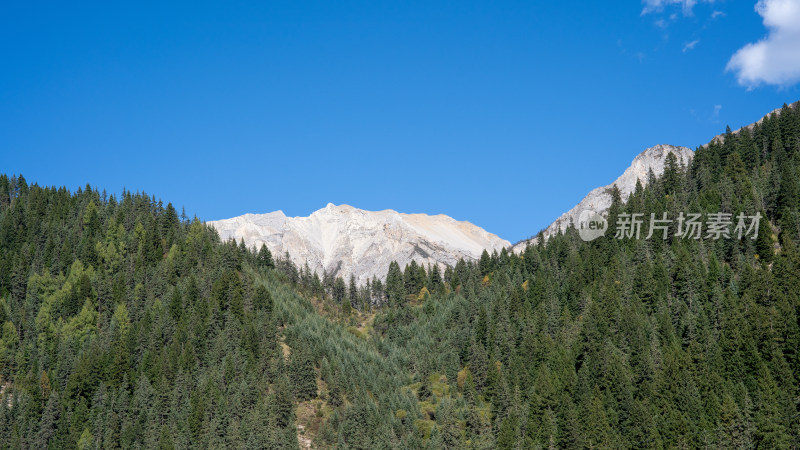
(653, 158)
(599, 199)
(343, 240)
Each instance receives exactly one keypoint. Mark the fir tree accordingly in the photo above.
(264, 258)
(303, 376)
(395, 290)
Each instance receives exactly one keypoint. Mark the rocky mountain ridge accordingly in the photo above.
(343, 240)
(599, 199)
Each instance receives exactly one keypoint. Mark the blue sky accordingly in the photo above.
(501, 113)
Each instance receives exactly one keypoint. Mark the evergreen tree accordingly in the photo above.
(264, 258)
(339, 291)
(262, 300)
(395, 289)
(352, 291)
(282, 403)
(122, 327)
(303, 375)
(764, 242)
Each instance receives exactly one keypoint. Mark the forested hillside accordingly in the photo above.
(125, 325)
(628, 343)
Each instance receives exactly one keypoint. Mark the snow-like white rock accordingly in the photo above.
(599, 199)
(344, 240)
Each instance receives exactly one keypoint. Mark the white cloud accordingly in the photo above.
(716, 14)
(690, 45)
(651, 6)
(776, 58)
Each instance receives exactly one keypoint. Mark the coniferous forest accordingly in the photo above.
(124, 324)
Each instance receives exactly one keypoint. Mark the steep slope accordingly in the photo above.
(599, 199)
(343, 240)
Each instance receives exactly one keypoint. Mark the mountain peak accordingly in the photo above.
(344, 240)
(599, 199)
(653, 158)
(659, 151)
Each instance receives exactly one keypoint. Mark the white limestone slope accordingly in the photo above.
(599, 199)
(344, 240)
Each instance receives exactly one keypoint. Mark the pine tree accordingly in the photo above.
(49, 421)
(395, 289)
(352, 291)
(411, 280)
(303, 375)
(671, 177)
(334, 394)
(282, 402)
(262, 300)
(339, 291)
(478, 364)
(485, 263)
(447, 421)
(764, 243)
(424, 391)
(264, 258)
(435, 278)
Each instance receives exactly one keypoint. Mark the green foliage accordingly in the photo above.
(612, 344)
(303, 375)
(125, 326)
(264, 258)
(395, 289)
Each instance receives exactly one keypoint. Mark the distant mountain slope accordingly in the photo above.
(653, 158)
(599, 199)
(344, 240)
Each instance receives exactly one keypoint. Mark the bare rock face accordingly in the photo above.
(343, 240)
(599, 199)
